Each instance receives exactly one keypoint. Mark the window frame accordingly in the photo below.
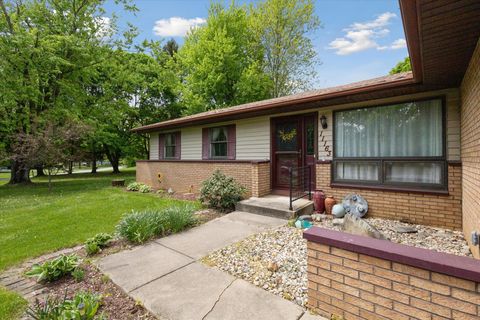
(165, 146)
(381, 183)
(212, 143)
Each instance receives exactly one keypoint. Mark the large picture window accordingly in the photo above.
(397, 145)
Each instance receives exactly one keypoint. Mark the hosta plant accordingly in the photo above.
(54, 269)
(98, 242)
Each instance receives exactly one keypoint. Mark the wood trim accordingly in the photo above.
(411, 21)
(206, 161)
(449, 264)
(389, 188)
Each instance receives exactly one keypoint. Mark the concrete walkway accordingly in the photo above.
(167, 278)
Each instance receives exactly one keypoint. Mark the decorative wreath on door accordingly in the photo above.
(287, 136)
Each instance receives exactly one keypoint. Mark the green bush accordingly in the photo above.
(54, 269)
(145, 189)
(95, 244)
(221, 192)
(83, 306)
(138, 227)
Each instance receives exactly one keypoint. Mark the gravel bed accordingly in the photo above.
(439, 239)
(276, 260)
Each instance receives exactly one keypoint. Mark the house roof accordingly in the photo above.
(441, 37)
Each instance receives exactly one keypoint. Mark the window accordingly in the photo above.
(170, 145)
(394, 145)
(219, 142)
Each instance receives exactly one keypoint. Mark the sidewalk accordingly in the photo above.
(167, 278)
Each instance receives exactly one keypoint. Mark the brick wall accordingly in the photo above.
(470, 148)
(187, 176)
(352, 285)
(435, 210)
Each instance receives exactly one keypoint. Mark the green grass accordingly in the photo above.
(34, 221)
(11, 304)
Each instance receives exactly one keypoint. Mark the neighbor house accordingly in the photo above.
(409, 143)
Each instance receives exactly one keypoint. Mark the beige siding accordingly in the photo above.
(191, 143)
(154, 146)
(253, 139)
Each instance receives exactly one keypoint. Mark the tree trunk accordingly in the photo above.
(39, 169)
(94, 164)
(70, 167)
(19, 173)
(114, 160)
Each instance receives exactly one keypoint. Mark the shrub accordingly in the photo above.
(83, 306)
(221, 192)
(145, 189)
(95, 244)
(134, 186)
(54, 269)
(138, 227)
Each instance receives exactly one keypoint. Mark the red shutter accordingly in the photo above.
(232, 140)
(178, 145)
(205, 144)
(161, 146)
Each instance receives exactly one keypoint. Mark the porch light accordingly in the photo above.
(323, 121)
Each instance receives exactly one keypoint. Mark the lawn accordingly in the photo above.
(34, 221)
(11, 304)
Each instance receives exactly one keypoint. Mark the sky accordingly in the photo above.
(359, 39)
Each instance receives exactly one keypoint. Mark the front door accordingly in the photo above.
(293, 145)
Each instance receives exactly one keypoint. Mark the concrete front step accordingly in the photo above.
(275, 206)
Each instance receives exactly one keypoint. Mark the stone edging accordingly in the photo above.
(449, 264)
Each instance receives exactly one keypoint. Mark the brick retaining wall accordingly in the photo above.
(187, 176)
(355, 277)
(428, 209)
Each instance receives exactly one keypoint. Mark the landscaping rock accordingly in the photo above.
(319, 217)
(404, 229)
(356, 225)
(337, 222)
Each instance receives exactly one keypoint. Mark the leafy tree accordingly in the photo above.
(221, 62)
(402, 66)
(284, 27)
(50, 52)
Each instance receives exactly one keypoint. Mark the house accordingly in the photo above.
(409, 143)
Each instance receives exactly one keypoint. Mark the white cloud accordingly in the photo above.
(399, 44)
(104, 27)
(361, 36)
(175, 26)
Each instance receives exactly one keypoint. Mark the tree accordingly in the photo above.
(402, 66)
(220, 60)
(284, 27)
(47, 147)
(171, 47)
(50, 51)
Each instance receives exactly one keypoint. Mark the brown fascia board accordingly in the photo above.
(410, 18)
(410, 11)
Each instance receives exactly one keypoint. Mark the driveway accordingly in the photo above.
(167, 278)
